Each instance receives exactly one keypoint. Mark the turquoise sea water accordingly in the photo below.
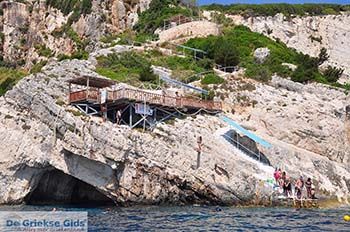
(198, 218)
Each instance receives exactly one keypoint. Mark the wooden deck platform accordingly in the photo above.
(136, 95)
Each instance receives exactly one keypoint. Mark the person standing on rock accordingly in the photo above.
(199, 150)
(308, 185)
(277, 175)
(119, 116)
(299, 185)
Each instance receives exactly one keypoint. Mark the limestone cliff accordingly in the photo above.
(48, 149)
(307, 34)
(32, 31)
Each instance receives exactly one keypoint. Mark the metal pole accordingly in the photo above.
(145, 115)
(199, 158)
(130, 115)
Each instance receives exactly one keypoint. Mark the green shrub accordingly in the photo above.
(129, 67)
(323, 56)
(260, 73)
(109, 38)
(206, 63)
(238, 45)
(333, 74)
(78, 7)
(61, 57)
(80, 55)
(158, 11)
(307, 69)
(37, 67)
(43, 50)
(146, 74)
(272, 9)
(225, 53)
(212, 79)
(8, 78)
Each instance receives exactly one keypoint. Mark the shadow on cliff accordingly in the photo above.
(246, 145)
(56, 187)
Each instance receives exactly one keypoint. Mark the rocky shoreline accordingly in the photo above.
(43, 140)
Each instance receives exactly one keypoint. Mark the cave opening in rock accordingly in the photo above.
(56, 187)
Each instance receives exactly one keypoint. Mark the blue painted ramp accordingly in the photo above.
(181, 84)
(239, 128)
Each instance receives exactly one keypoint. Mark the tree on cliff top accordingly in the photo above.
(158, 11)
(225, 54)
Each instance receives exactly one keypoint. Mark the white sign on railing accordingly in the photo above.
(103, 94)
(143, 109)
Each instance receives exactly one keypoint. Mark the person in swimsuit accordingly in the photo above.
(277, 175)
(288, 187)
(299, 185)
(308, 185)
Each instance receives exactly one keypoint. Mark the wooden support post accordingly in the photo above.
(105, 114)
(70, 90)
(198, 159)
(130, 115)
(155, 116)
(87, 87)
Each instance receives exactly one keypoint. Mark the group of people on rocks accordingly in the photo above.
(284, 182)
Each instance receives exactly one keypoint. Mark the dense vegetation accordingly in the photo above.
(273, 9)
(79, 7)
(237, 45)
(127, 67)
(160, 10)
(134, 68)
(8, 78)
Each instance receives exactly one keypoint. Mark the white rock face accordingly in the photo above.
(307, 34)
(261, 54)
(189, 30)
(25, 26)
(38, 135)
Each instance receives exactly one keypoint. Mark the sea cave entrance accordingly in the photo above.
(56, 188)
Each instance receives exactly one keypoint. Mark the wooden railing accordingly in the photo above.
(77, 96)
(148, 97)
(82, 95)
(159, 99)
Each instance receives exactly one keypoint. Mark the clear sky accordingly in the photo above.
(202, 2)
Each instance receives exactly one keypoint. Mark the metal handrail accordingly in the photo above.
(224, 69)
(238, 145)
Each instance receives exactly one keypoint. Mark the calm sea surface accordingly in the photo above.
(198, 218)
